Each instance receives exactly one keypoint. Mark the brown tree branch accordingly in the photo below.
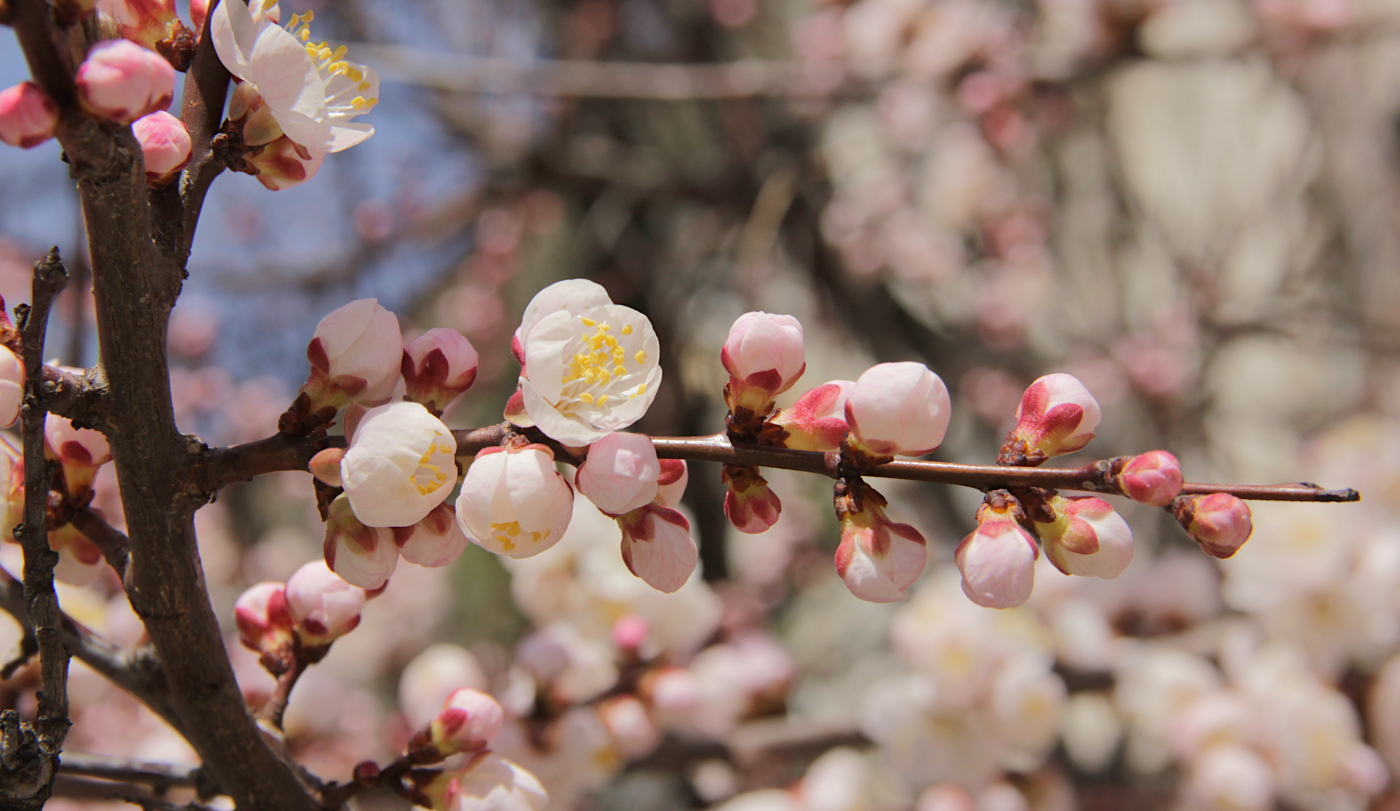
(77, 397)
(31, 784)
(112, 542)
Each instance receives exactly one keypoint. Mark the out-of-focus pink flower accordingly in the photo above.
(749, 504)
(435, 541)
(670, 486)
(764, 357)
(199, 13)
(438, 366)
(490, 784)
(878, 559)
(81, 451)
(1219, 522)
(514, 502)
(79, 560)
(898, 409)
(657, 547)
(467, 723)
(356, 354)
(283, 163)
(945, 797)
(400, 464)
(265, 624)
(432, 676)
(591, 367)
(1057, 415)
(322, 605)
(11, 490)
(362, 556)
(121, 81)
(165, 143)
(636, 734)
(620, 474)
(1087, 538)
(152, 24)
(11, 386)
(1152, 478)
(997, 560)
(28, 116)
(817, 421)
(1232, 776)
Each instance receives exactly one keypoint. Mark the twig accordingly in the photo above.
(160, 776)
(40, 600)
(276, 705)
(112, 542)
(79, 398)
(335, 796)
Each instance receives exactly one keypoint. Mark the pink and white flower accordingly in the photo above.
(1152, 478)
(435, 541)
(1057, 415)
(11, 386)
(322, 606)
(401, 463)
(657, 547)
(81, 451)
(764, 357)
(997, 560)
(591, 367)
(265, 624)
(79, 560)
(121, 81)
(438, 366)
(514, 502)
(310, 89)
(749, 503)
(670, 486)
(621, 473)
(1219, 522)
(149, 23)
(898, 409)
(490, 784)
(1087, 537)
(28, 116)
(283, 163)
(165, 145)
(468, 721)
(362, 556)
(817, 421)
(356, 354)
(879, 559)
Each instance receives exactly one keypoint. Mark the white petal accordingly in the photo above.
(574, 295)
(344, 136)
(234, 32)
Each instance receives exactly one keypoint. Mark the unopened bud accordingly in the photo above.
(1219, 522)
(817, 421)
(997, 560)
(657, 547)
(165, 144)
(322, 606)
(28, 116)
(265, 624)
(435, 541)
(878, 559)
(1086, 538)
(356, 355)
(764, 357)
(81, 451)
(153, 24)
(620, 474)
(121, 81)
(283, 163)
(1152, 478)
(467, 723)
(898, 409)
(325, 466)
(749, 504)
(670, 487)
(438, 366)
(362, 556)
(1057, 415)
(11, 386)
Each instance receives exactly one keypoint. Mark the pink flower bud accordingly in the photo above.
(749, 504)
(629, 631)
(265, 625)
(28, 116)
(670, 487)
(657, 547)
(121, 81)
(152, 24)
(1057, 415)
(283, 163)
(356, 354)
(764, 357)
(199, 12)
(997, 561)
(325, 465)
(878, 559)
(620, 474)
(81, 451)
(467, 723)
(400, 464)
(438, 366)
(362, 556)
(432, 676)
(1152, 478)
(1087, 538)
(1219, 522)
(322, 605)
(514, 502)
(165, 143)
(11, 386)
(817, 421)
(435, 541)
(898, 409)
(79, 561)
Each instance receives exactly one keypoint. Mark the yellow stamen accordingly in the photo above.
(619, 371)
(641, 356)
(626, 329)
(339, 53)
(363, 86)
(358, 103)
(304, 35)
(588, 322)
(308, 16)
(587, 398)
(602, 399)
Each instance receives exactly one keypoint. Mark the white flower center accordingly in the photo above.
(345, 95)
(597, 375)
(432, 471)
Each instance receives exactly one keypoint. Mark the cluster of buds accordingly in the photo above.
(294, 623)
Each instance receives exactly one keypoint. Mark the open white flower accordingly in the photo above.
(514, 502)
(591, 366)
(399, 466)
(310, 89)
